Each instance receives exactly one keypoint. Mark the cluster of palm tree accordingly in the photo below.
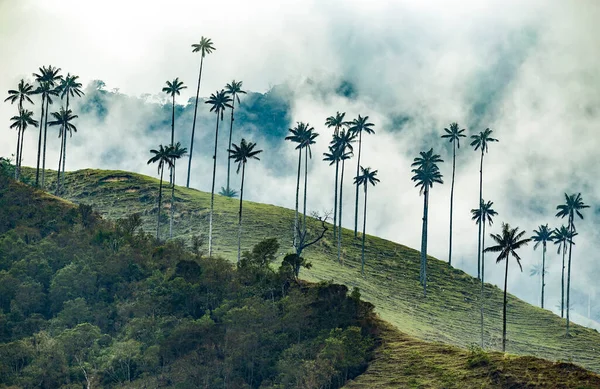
(50, 83)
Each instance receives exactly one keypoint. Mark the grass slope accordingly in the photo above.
(450, 313)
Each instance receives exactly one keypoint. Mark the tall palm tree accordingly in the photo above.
(308, 139)
(63, 119)
(481, 141)
(366, 177)
(333, 157)
(337, 122)
(342, 143)
(163, 157)
(537, 270)
(234, 89)
(176, 152)
(542, 235)
(481, 215)
(563, 237)
(426, 173)
(20, 123)
(507, 244)
(204, 47)
(453, 134)
(219, 101)
(19, 95)
(241, 154)
(47, 79)
(297, 136)
(69, 87)
(573, 206)
(173, 89)
(358, 126)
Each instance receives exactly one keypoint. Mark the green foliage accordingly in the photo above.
(477, 356)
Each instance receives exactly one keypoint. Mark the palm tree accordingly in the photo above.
(367, 177)
(342, 143)
(241, 154)
(563, 237)
(298, 134)
(542, 235)
(507, 244)
(427, 173)
(20, 123)
(453, 134)
(163, 157)
(176, 152)
(69, 87)
(573, 205)
(173, 89)
(357, 127)
(204, 47)
(47, 79)
(480, 141)
(308, 139)
(63, 119)
(22, 93)
(337, 122)
(482, 215)
(234, 90)
(538, 270)
(219, 101)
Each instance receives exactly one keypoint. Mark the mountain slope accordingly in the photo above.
(450, 314)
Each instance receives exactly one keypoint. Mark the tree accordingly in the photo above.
(357, 127)
(241, 154)
(63, 119)
(204, 47)
(22, 93)
(219, 101)
(453, 134)
(426, 173)
(298, 135)
(507, 244)
(572, 206)
(173, 89)
(47, 79)
(20, 123)
(482, 215)
(234, 90)
(308, 139)
(563, 237)
(366, 177)
(163, 157)
(542, 235)
(69, 87)
(175, 153)
(337, 122)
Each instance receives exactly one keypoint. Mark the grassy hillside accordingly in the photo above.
(450, 313)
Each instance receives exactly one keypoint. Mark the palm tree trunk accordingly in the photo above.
(480, 200)
(362, 266)
(18, 154)
(39, 156)
(340, 218)
(172, 203)
(64, 155)
(44, 151)
(297, 197)
(452, 201)
(424, 243)
(562, 284)
(21, 151)
(212, 192)
(569, 275)
(171, 180)
(162, 170)
(229, 147)
(357, 174)
(305, 187)
(194, 125)
(62, 133)
(240, 214)
(482, 280)
(543, 271)
(337, 164)
(504, 308)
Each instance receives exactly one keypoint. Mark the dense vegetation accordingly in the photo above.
(88, 302)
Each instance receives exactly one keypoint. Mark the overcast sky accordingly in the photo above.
(530, 71)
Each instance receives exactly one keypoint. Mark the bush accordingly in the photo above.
(477, 356)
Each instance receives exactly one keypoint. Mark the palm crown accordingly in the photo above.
(70, 86)
(360, 124)
(343, 141)
(299, 134)
(23, 91)
(508, 243)
(482, 139)
(23, 120)
(234, 89)
(454, 134)
(426, 170)
(219, 100)
(335, 154)
(174, 87)
(204, 47)
(162, 156)
(563, 237)
(366, 176)
(242, 153)
(573, 205)
(176, 151)
(484, 213)
(48, 74)
(63, 118)
(542, 235)
(336, 121)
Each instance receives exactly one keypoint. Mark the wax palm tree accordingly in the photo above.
(204, 47)
(19, 95)
(63, 119)
(241, 154)
(563, 237)
(538, 270)
(234, 89)
(426, 173)
(176, 152)
(308, 139)
(337, 122)
(297, 136)
(481, 215)
(366, 177)
(163, 157)
(343, 145)
(542, 235)
(573, 206)
(69, 87)
(333, 157)
(173, 89)
(219, 101)
(453, 135)
(481, 141)
(20, 123)
(358, 126)
(507, 244)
